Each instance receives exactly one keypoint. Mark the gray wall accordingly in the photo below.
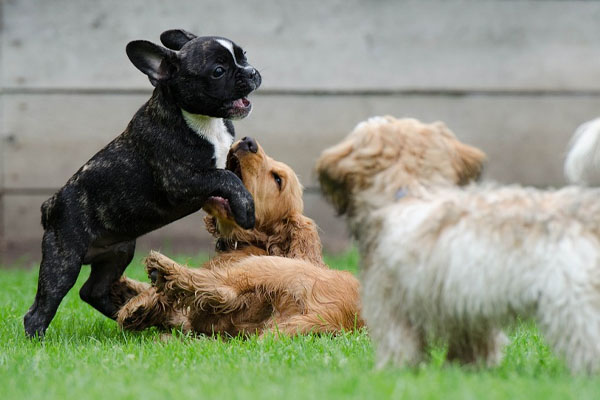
(512, 77)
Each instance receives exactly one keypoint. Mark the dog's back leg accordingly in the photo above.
(150, 308)
(572, 328)
(107, 268)
(61, 263)
(484, 347)
(125, 289)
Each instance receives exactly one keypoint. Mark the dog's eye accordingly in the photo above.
(277, 179)
(218, 72)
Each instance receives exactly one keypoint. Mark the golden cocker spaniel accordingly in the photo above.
(268, 279)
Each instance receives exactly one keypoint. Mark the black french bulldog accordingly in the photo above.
(164, 166)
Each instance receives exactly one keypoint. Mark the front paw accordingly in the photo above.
(153, 275)
(157, 278)
(159, 268)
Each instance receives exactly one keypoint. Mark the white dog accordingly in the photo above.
(582, 165)
(448, 259)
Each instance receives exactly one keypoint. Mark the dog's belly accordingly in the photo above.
(104, 246)
(249, 319)
(117, 219)
(117, 228)
(446, 267)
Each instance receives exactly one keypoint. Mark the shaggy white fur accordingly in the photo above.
(460, 262)
(582, 165)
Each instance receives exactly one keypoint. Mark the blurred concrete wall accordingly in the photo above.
(512, 77)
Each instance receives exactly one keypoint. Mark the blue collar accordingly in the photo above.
(400, 193)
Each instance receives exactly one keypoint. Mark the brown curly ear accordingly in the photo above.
(297, 237)
(210, 223)
(469, 163)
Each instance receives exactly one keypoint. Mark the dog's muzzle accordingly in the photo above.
(248, 144)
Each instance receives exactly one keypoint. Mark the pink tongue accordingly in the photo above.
(239, 103)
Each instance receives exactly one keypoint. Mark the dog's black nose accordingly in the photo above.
(249, 144)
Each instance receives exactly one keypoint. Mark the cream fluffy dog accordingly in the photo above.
(445, 259)
(582, 165)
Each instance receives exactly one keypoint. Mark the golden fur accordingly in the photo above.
(442, 258)
(268, 279)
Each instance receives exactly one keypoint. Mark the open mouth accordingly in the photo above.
(240, 108)
(233, 164)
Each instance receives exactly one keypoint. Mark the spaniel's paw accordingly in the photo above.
(159, 269)
(153, 275)
(131, 316)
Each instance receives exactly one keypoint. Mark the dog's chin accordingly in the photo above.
(239, 108)
(229, 109)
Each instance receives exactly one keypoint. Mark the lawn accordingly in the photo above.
(85, 356)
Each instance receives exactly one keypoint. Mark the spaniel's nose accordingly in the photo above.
(249, 144)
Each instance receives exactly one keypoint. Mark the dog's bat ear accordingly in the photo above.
(174, 39)
(153, 60)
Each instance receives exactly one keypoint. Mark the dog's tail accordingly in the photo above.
(582, 165)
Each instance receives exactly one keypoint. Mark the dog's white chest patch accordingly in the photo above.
(213, 130)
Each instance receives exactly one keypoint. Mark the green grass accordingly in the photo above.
(85, 356)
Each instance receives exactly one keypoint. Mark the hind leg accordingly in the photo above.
(484, 348)
(147, 309)
(573, 331)
(58, 272)
(107, 268)
(124, 289)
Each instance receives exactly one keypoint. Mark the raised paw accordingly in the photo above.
(156, 278)
(160, 268)
(153, 274)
